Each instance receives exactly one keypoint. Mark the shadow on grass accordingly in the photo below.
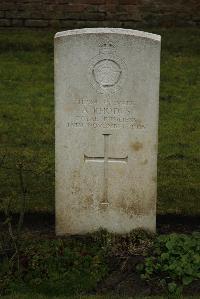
(43, 222)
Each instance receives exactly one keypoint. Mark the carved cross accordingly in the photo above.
(106, 160)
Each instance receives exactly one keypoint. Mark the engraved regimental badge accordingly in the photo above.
(107, 71)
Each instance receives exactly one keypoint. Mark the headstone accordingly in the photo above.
(106, 102)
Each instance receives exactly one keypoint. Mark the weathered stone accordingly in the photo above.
(17, 23)
(36, 23)
(130, 24)
(2, 14)
(106, 98)
(7, 5)
(55, 23)
(83, 16)
(145, 12)
(5, 23)
(68, 23)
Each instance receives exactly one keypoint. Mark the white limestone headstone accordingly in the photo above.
(106, 102)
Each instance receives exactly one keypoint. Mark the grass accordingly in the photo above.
(34, 296)
(27, 120)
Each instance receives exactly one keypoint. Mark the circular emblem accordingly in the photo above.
(107, 72)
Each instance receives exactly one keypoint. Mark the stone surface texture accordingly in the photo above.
(81, 13)
(106, 102)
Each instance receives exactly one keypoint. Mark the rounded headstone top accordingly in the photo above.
(136, 33)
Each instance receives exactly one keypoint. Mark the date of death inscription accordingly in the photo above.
(91, 114)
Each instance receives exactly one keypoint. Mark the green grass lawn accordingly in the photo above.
(27, 119)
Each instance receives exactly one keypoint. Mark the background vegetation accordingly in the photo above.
(27, 120)
(137, 263)
(59, 267)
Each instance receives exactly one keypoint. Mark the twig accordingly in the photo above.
(2, 160)
(23, 200)
(10, 230)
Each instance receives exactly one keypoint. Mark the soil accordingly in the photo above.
(122, 278)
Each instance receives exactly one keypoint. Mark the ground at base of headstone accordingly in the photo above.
(43, 224)
(101, 263)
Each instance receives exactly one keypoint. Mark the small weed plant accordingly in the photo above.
(54, 266)
(174, 263)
